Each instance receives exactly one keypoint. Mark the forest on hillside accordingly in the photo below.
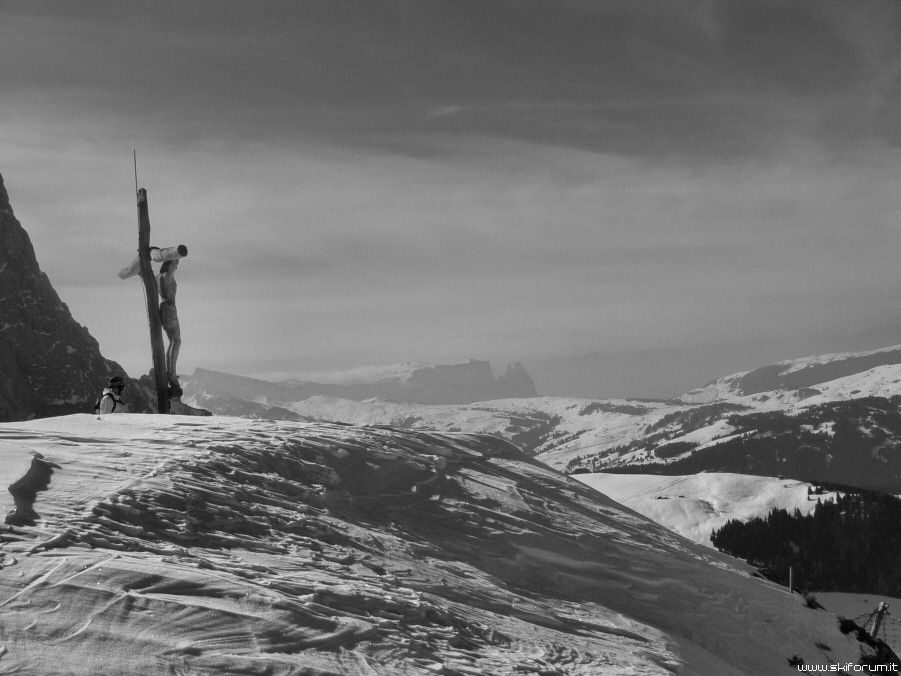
(851, 544)
(856, 442)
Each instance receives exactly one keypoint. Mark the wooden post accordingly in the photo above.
(880, 612)
(153, 305)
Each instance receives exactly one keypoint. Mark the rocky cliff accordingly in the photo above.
(49, 363)
(461, 383)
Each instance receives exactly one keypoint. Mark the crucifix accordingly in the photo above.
(159, 317)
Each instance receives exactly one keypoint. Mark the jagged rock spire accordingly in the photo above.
(49, 363)
(517, 382)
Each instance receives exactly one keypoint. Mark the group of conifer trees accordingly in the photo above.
(850, 544)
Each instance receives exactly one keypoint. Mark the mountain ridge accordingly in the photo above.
(734, 424)
(411, 383)
(661, 436)
(794, 374)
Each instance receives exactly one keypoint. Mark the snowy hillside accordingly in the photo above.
(700, 418)
(696, 505)
(167, 544)
(671, 437)
(756, 434)
(797, 374)
(853, 442)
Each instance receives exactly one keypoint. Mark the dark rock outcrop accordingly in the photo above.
(462, 383)
(49, 363)
(517, 383)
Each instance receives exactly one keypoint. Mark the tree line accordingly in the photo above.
(850, 544)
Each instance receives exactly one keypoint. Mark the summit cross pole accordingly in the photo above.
(153, 306)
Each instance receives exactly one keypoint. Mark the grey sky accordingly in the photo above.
(362, 183)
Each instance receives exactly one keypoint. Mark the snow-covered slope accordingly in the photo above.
(654, 436)
(696, 505)
(592, 435)
(796, 374)
(166, 544)
(782, 432)
(628, 432)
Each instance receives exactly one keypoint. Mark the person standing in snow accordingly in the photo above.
(169, 319)
(111, 399)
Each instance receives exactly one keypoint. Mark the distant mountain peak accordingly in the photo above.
(408, 382)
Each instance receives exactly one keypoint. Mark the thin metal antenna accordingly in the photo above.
(136, 170)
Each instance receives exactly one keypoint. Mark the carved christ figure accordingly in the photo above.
(167, 286)
(157, 255)
(169, 320)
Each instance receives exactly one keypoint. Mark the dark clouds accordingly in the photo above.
(439, 180)
(640, 78)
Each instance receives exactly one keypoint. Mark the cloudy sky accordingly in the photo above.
(630, 198)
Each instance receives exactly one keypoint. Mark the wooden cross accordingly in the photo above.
(153, 305)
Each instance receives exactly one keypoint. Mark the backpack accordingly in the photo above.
(97, 403)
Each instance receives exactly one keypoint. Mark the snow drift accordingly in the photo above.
(167, 544)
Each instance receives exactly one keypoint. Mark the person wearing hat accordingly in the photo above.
(111, 399)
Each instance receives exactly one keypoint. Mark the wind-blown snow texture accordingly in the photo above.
(167, 544)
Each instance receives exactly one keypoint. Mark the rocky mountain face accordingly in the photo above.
(49, 363)
(420, 384)
(462, 383)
